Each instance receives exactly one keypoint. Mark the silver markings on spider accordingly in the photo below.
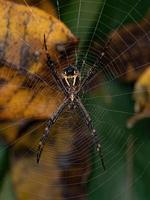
(70, 84)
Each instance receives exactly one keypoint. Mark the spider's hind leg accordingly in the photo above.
(98, 147)
(50, 122)
(43, 140)
(93, 131)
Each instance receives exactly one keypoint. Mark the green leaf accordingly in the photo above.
(6, 189)
(3, 161)
(125, 151)
(7, 192)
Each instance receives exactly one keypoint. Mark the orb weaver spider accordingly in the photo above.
(70, 83)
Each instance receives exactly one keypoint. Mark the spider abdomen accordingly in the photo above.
(72, 97)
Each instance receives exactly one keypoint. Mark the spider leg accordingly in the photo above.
(52, 68)
(93, 131)
(94, 70)
(49, 124)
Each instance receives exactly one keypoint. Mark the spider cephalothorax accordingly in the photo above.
(71, 85)
(71, 76)
(71, 80)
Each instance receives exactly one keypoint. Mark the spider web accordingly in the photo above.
(122, 148)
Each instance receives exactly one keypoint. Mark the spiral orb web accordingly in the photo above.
(109, 104)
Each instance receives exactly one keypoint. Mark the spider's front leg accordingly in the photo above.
(94, 69)
(52, 68)
(90, 125)
(50, 122)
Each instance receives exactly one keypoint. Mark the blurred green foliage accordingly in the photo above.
(6, 188)
(7, 192)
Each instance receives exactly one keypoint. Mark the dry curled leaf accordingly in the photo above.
(44, 5)
(29, 93)
(26, 96)
(25, 37)
(128, 53)
(141, 97)
(128, 58)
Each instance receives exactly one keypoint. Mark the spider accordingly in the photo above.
(70, 83)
